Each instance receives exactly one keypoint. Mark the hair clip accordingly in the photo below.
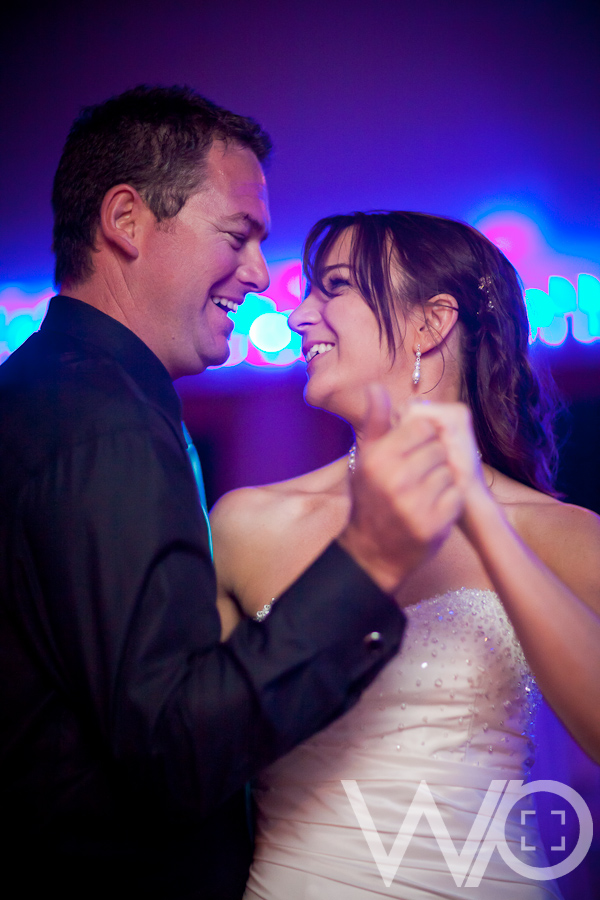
(484, 284)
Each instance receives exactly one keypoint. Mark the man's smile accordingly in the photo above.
(227, 305)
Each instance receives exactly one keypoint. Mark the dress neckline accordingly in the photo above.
(453, 593)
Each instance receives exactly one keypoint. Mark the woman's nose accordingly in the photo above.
(307, 313)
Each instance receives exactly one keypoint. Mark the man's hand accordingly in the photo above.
(404, 496)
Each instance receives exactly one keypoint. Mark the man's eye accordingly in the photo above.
(238, 239)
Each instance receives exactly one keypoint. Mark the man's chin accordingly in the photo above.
(215, 359)
(201, 363)
(219, 359)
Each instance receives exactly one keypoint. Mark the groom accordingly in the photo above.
(127, 730)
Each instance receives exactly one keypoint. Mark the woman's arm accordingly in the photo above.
(227, 520)
(255, 553)
(546, 571)
(550, 587)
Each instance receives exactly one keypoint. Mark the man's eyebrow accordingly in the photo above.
(255, 225)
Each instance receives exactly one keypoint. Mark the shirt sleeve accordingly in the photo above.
(122, 597)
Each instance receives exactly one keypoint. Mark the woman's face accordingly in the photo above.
(342, 345)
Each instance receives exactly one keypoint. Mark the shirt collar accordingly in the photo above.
(86, 323)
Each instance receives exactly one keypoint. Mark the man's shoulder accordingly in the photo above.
(53, 373)
(56, 391)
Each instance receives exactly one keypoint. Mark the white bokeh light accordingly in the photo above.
(270, 332)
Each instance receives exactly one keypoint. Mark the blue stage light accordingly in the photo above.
(261, 335)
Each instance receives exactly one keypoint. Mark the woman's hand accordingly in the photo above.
(403, 492)
(455, 429)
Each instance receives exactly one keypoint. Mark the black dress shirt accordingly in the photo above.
(127, 730)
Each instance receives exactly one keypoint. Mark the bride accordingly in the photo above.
(432, 311)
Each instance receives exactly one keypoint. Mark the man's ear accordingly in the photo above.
(436, 321)
(123, 216)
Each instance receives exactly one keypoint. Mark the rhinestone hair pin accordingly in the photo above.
(484, 284)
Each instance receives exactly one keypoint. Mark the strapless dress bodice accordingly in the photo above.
(454, 709)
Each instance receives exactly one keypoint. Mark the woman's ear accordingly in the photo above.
(123, 216)
(436, 321)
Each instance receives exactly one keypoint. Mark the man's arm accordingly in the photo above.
(128, 609)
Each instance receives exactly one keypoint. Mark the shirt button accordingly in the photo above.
(373, 641)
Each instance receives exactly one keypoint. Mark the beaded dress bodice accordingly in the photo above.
(455, 708)
(460, 689)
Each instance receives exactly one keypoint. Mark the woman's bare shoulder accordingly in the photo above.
(565, 536)
(263, 537)
(549, 521)
(241, 502)
(264, 498)
(534, 512)
(273, 503)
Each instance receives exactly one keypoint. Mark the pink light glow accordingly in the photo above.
(556, 290)
(522, 242)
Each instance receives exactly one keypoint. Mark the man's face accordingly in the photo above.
(201, 264)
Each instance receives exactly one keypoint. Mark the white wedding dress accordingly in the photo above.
(454, 710)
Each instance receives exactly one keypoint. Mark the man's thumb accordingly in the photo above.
(377, 418)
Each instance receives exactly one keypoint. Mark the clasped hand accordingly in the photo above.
(410, 486)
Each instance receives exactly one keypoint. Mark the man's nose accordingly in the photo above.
(254, 272)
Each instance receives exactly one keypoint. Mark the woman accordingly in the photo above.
(430, 309)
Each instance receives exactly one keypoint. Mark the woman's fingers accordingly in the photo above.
(454, 426)
(404, 498)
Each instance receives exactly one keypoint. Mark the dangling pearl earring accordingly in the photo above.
(416, 375)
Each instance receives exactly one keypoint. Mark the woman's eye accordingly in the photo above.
(337, 284)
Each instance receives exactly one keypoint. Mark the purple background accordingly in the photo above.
(447, 106)
(457, 107)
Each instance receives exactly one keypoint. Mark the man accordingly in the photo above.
(128, 730)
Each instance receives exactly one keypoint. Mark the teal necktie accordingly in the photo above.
(197, 470)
